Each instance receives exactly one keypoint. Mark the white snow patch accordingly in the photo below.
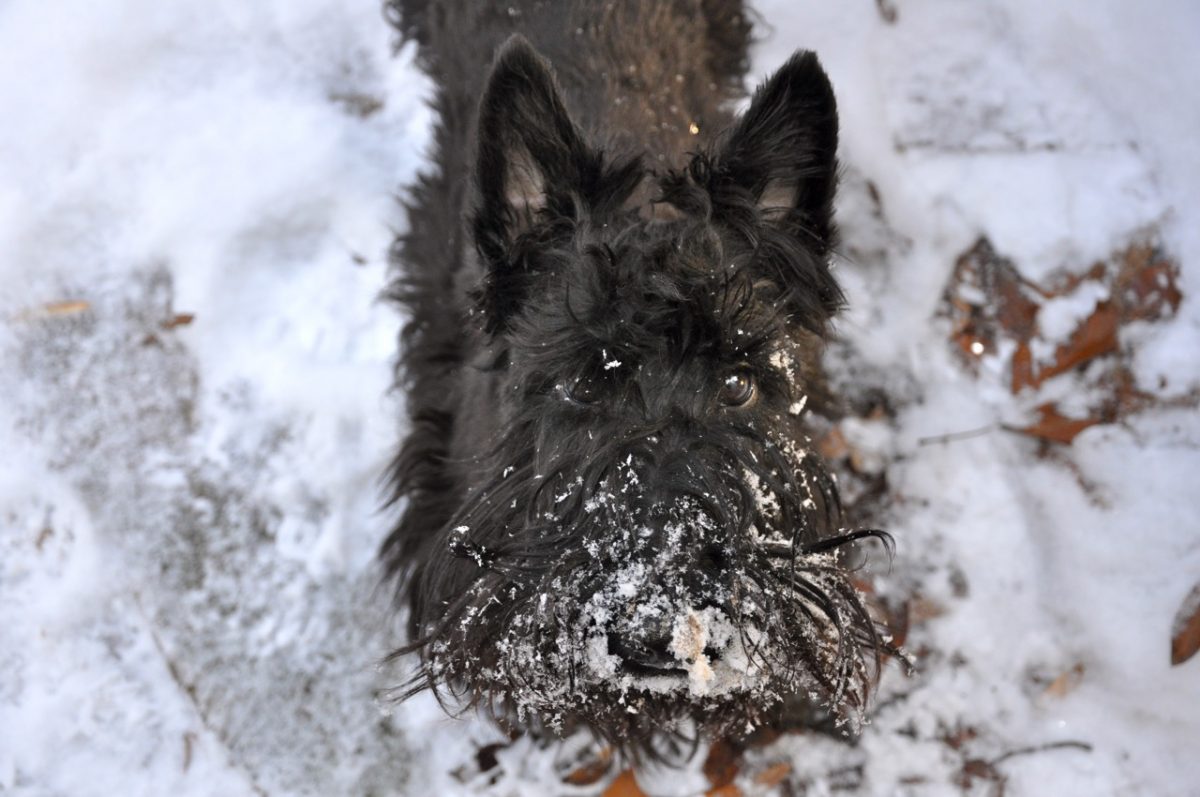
(1059, 317)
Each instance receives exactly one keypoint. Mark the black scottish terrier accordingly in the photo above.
(612, 515)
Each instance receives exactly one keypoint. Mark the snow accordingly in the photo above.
(189, 508)
(1058, 317)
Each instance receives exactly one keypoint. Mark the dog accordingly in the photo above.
(617, 294)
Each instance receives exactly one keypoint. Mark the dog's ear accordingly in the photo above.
(532, 162)
(530, 153)
(773, 180)
(783, 150)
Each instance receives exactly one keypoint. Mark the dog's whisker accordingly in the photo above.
(792, 551)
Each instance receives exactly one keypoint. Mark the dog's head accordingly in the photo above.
(649, 545)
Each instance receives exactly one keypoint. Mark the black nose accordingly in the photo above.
(647, 653)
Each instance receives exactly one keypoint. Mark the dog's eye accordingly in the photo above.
(580, 391)
(739, 389)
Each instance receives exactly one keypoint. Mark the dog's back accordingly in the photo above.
(637, 75)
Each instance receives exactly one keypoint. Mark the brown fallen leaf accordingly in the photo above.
(833, 445)
(1185, 631)
(993, 308)
(624, 786)
(1066, 682)
(591, 771)
(974, 769)
(773, 775)
(1022, 369)
(988, 300)
(1068, 282)
(357, 103)
(721, 766)
(178, 320)
(68, 307)
(922, 609)
(960, 736)
(1056, 427)
(1146, 285)
(1096, 337)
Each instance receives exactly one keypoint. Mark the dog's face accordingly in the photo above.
(649, 544)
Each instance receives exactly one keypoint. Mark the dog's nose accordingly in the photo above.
(647, 653)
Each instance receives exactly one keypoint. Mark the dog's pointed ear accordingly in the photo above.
(529, 151)
(532, 161)
(783, 150)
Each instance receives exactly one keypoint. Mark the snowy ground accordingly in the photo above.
(195, 203)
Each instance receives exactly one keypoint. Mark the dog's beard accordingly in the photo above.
(591, 561)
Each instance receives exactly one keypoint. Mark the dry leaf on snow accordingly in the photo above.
(1185, 631)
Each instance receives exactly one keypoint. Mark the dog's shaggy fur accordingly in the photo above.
(616, 296)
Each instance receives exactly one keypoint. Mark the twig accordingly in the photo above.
(190, 691)
(954, 436)
(1042, 748)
